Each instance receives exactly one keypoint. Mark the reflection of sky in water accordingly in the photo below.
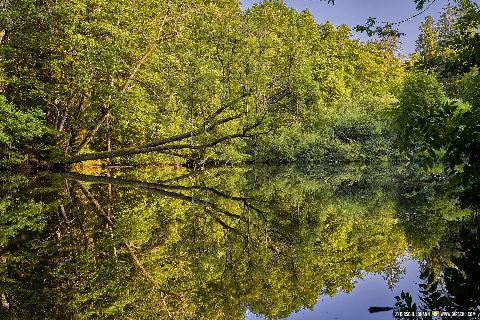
(372, 290)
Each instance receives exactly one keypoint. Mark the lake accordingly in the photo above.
(246, 242)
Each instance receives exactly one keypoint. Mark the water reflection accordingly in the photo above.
(164, 243)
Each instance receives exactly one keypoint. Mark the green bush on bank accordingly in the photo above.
(354, 132)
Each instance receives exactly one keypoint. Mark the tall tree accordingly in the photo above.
(427, 42)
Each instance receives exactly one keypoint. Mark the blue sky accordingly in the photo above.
(354, 12)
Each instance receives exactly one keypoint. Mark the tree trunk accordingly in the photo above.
(161, 145)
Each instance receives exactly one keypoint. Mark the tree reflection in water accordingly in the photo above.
(456, 286)
(201, 244)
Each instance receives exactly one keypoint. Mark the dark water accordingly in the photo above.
(233, 243)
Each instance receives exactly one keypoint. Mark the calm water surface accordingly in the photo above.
(371, 290)
(253, 242)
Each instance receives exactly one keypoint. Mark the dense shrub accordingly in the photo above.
(354, 130)
(349, 132)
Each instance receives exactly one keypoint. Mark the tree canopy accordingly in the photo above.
(193, 81)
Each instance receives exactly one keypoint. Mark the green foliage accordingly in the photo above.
(23, 135)
(469, 88)
(353, 131)
(434, 130)
(437, 132)
(450, 45)
(107, 82)
(350, 90)
(420, 105)
(427, 43)
(18, 217)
